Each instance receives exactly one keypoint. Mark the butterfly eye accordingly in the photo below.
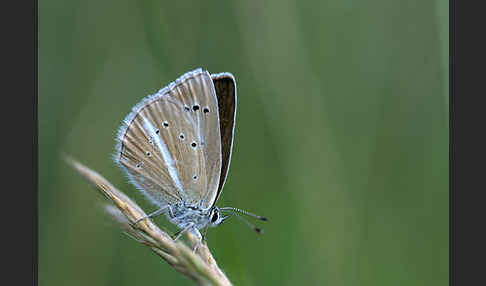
(206, 110)
(165, 123)
(214, 217)
(193, 144)
(195, 107)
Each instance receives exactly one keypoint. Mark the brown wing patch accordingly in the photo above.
(225, 87)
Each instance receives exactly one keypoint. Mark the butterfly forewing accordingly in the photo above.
(170, 145)
(225, 86)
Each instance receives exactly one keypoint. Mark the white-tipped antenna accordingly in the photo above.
(244, 212)
(235, 211)
(257, 229)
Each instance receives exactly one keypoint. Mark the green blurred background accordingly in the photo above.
(341, 136)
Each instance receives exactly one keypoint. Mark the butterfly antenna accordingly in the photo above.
(259, 230)
(244, 212)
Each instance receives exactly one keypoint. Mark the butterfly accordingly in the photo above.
(175, 147)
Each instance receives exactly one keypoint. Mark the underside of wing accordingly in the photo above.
(169, 145)
(225, 86)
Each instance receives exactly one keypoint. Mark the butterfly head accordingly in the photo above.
(215, 217)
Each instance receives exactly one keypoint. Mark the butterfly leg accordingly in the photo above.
(204, 235)
(181, 232)
(196, 232)
(155, 213)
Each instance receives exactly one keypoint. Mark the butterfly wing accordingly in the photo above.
(169, 144)
(225, 86)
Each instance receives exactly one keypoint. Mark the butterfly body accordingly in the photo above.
(183, 216)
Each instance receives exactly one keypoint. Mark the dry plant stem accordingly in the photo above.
(200, 267)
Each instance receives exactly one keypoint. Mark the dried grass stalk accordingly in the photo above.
(200, 266)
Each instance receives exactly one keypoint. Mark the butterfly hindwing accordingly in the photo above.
(170, 145)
